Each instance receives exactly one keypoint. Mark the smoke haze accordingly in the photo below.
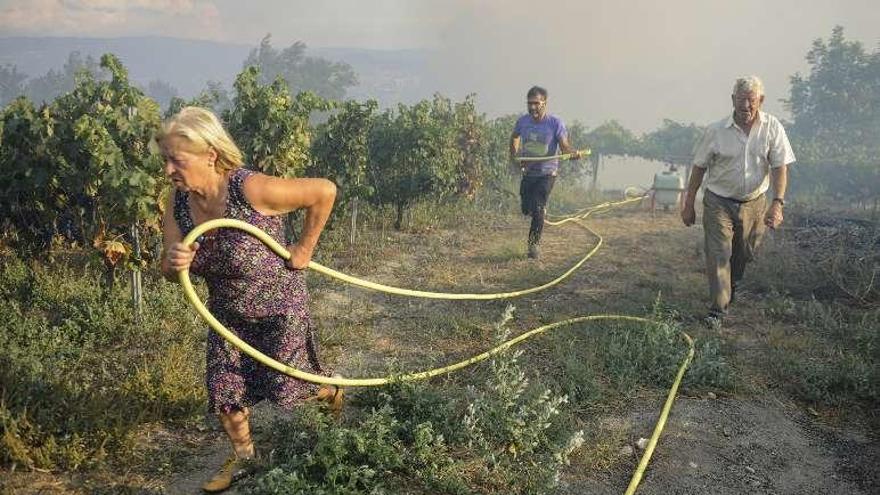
(637, 61)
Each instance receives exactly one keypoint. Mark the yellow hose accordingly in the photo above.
(661, 421)
(564, 156)
(200, 307)
(282, 251)
(193, 298)
(215, 324)
(585, 212)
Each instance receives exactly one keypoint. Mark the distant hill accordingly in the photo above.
(386, 75)
(185, 64)
(389, 76)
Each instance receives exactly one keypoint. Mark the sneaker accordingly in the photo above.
(232, 470)
(713, 321)
(534, 251)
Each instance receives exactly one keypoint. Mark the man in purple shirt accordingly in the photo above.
(538, 134)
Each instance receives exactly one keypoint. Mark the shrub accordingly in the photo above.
(506, 436)
(81, 374)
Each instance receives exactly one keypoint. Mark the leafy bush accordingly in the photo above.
(411, 156)
(840, 361)
(80, 375)
(506, 436)
(652, 355)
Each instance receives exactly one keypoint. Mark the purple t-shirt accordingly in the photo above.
(540, 139)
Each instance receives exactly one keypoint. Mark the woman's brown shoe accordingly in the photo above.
(232, 470)
(337, 400)
(332, 395)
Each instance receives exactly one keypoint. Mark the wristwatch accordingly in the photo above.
(780, 200)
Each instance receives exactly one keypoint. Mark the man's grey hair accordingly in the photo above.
(751, 84)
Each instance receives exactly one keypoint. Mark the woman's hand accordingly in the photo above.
(180, 256)
(300, 256)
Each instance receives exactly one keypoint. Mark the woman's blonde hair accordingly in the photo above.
(203, 130)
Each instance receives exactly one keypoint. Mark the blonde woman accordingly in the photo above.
(252, 291)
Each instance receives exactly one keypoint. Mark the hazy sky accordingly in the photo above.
(634, 60)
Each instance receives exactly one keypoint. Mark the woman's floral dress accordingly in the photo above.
(257, 297)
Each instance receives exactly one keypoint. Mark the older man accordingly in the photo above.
(739, 157)
(538, 134)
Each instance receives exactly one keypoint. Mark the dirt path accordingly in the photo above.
(756, 441)
(737, 446)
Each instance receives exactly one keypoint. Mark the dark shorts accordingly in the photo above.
(534, 191)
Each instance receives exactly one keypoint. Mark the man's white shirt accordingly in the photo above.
(738, 164)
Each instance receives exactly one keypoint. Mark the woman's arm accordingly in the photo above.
(175, 256)
(277, 196)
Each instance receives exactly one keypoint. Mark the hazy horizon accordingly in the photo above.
(637, 62)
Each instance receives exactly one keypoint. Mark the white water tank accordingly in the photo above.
(668, 186)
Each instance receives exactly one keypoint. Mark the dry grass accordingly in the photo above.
(364, 333)
(642, 256)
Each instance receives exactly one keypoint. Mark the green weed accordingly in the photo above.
(838, 358)
(81, 373)
(503, 436)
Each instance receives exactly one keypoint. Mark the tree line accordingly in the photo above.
(83, 166)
